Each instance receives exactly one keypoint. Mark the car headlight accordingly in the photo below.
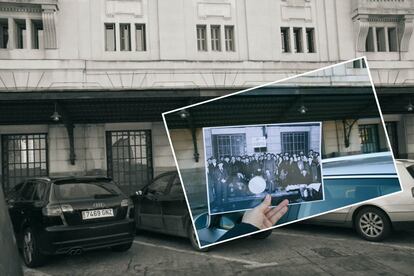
(126, 203)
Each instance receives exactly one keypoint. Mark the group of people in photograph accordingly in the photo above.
(229, 176)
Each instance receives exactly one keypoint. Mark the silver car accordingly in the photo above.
(374, 220)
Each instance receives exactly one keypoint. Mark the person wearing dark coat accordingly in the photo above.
(256, 168)
(222, 178)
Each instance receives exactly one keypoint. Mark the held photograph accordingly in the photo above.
(245, 163)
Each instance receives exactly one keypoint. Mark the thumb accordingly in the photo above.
(266, 203)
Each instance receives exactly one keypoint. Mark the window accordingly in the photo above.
(4, 33)
(20, 33)
(392, 40)
(310, 38)
(23, 156)
(295, 142)
(37, 34)
(369, 43)
(27, 191)
(380, 32)
(125, 37)
(176, 189)
(215, 38)
(229, 38)
(359, 63)
(297, 37)
(140, 40)
(110, 40)
(368, 135)
(129, 158)
(201, 38)
(284, 32)
(160, 184)
(393, 136)
(229, 145)
(39, 191)
(85, 190)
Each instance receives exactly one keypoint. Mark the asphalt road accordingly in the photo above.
(293, 250)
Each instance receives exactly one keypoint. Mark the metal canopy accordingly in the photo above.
(266, 105)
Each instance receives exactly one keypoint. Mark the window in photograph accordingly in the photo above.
(125, 37)
(201, 37)
(24, 155)
(110, 41)
(295, 142)
(140, 39)
(369, 138)
(229, 145)
(381, 46)
(37, 34)
(229, 38)
(297, 38)
(4, 33)
(215, 38)
(20, 33)
(310, 38)
(369, 43)
(392, 39)
(284, 32)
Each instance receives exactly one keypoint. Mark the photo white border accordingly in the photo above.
(261, 125)
(259, 86)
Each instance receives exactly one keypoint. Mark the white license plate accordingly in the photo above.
(102, 213)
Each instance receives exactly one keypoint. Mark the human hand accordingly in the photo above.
(264, 217)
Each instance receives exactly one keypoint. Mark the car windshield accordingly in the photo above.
(85, 190)
(410, 169)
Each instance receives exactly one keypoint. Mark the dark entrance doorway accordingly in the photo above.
(129, 158)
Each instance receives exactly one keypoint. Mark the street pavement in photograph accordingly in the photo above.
(293, 250)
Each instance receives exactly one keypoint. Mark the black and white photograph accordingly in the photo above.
(245, 163)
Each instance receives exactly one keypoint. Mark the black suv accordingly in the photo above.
(69, 215)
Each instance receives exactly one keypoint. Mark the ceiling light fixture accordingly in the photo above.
(55, 116)
(409, 107)
(184, 114)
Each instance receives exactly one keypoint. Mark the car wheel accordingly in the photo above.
(122, 247)
(31, 253)
(262, 235)
(372, 224)
(193, 239)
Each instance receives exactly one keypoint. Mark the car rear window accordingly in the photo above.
(85, 190)
(410, 169)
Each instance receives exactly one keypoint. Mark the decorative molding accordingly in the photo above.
(49, 28)
(362, 26)
(30, 9)
(408, 31)
(205, 10)
(125, 7)
(296, 12)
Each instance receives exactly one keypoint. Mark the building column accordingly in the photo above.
(49, 28)
(29, 34)
(11, 44)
